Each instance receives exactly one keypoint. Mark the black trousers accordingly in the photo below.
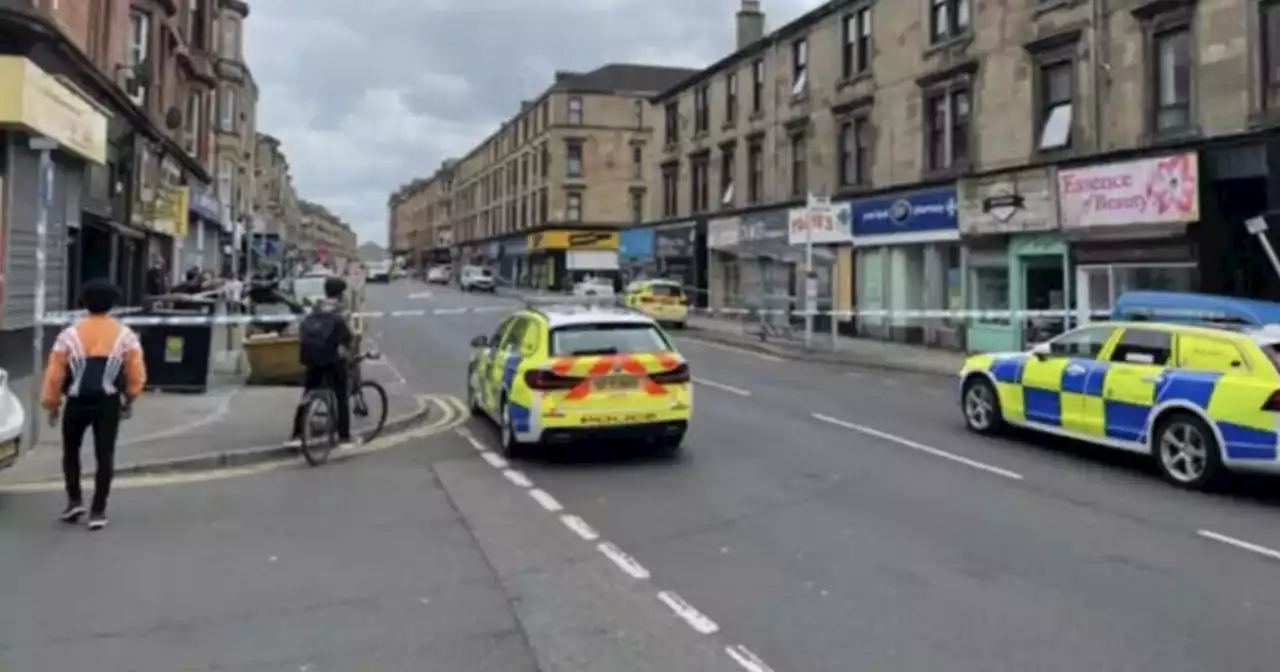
(337, 379)
(103, 416)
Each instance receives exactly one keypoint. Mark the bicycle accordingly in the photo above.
(319, 424)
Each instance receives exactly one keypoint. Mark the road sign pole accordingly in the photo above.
(1258, 227)
(47, 169)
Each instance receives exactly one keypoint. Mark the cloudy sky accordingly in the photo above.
(367, 95)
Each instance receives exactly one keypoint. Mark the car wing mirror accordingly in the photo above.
(479, 341)
(1042, 350)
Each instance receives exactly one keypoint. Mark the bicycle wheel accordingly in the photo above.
(319, 431)
(368, 409)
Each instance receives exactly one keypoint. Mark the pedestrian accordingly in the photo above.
(325, 340)
(157, 280)
(95, 372)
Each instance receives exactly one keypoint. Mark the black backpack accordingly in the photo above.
(320, 339)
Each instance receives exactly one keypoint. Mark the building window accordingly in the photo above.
(1057, 86)
(672, 123)
(138, 49)
(1172, 80)
(228, 120)
(799, 165)
(699, 196)
(231, 39)
(637, 163)
(198, 25)
(855, 152)
(799, 66)
(757, 85)
(855, 56)
(524, 171)
(947, 128)
(728, 169)
(639, 113)
(542, 207)
(701, 109)
(226, 173)
(573, 156)
(573, 208)
(575, 110)
(755, 172)
(1270, 41)
(670, 189)
(948, 19)
(637, 207)
(546, 160)
(730, 99)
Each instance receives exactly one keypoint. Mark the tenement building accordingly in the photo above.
(1034, 154)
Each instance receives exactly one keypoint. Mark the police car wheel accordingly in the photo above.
(511, 446)
(473, 404)
(981, 406)
(1186, 451)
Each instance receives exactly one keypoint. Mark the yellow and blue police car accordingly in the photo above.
(559, 373)
(1200, 399)
(663, 300)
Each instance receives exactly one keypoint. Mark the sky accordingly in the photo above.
(368, 95)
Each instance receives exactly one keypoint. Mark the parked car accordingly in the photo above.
(438, 275)
(594, 287)
(379, 271)
(477, 279)
(13, 420)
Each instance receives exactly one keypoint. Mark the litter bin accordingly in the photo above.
(177, 355)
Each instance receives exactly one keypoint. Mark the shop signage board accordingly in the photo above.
(820, 222)
(1143, 191)
(34, 99)
(637, 243)
(1018, 202)
(677, 240)
(924, 211)
(573, 240)
(724, 233)
(206, 204)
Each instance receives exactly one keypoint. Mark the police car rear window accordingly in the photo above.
(1273, 354)
(667, 290)
(607, 339)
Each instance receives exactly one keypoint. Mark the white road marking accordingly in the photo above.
(739, 351)
(696, 619)
(721, 386)
(471, 438)
(421, 295)
(1240, 543)
(495, 460)
(749, 661)
(624, 562)
(579, 526)
(892, 382)
(517, 478)
(855, 374)
(919, 446)
(545, 499)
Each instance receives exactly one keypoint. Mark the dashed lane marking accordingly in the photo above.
(517, 478)
(624, 562)
(579, 526)
(696, 619)
(748, 660)
(495, 460)
(929, 450)
(1241, 544)
(545, 499)
(721, 386)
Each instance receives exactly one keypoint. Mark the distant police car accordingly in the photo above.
(560, 373)
(1198, 390)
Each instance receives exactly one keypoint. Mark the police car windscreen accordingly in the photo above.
(607, 339)
(668, 290)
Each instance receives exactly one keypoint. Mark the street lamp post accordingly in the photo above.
(47, 174)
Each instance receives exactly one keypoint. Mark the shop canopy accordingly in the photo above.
(1186, 307)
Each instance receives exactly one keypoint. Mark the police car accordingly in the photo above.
(1198, 390)
(558, 373)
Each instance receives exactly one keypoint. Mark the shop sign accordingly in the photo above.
(32, 98)
(206, 204)
(512, 248)
(764, 227)
(573, 240)
(678, 240)
(1144, 191)
(723, 233)
(1017, 202)
(928, 210)
(820, 222)
(636, 243)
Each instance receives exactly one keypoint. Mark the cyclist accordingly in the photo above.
(325, 349)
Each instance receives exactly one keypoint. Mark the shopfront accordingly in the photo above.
(636, 259)
(907, 258)
(34, 103)
(1127, 223)
(680, 254)
(559, 258)
(1014, 258)
(202, 247)
(512, 267)
(754, 265)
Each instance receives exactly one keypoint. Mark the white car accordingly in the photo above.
(438, 275)
(477, 279)
(12, 422)
(594, 287)
(379, 271)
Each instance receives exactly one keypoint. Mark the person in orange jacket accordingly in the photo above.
(97, 366)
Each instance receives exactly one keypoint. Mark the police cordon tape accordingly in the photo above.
(57, 319)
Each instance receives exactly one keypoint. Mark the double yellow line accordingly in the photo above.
(450, 412)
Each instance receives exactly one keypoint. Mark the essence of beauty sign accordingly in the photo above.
(1145, 191)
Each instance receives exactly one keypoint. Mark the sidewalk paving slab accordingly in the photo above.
(175, 432)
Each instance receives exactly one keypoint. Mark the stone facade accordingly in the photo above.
(235, 118)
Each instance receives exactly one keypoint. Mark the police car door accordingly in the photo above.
(506, 355)
(1137, 365)
(484, 361)
(1054, 386)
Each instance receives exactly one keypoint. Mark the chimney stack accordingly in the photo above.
(750, 23)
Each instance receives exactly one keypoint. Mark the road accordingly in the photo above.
(821, 519)
(844, 519)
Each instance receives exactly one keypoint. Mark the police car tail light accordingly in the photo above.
(675, 376)
(549, 380)
(1273, 402)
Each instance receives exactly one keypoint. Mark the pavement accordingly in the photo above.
(822, 518)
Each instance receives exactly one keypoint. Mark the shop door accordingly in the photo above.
(1043, 290)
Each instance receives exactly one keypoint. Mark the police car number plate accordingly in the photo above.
(616, 383)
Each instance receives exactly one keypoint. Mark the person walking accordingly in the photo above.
(97, 368)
